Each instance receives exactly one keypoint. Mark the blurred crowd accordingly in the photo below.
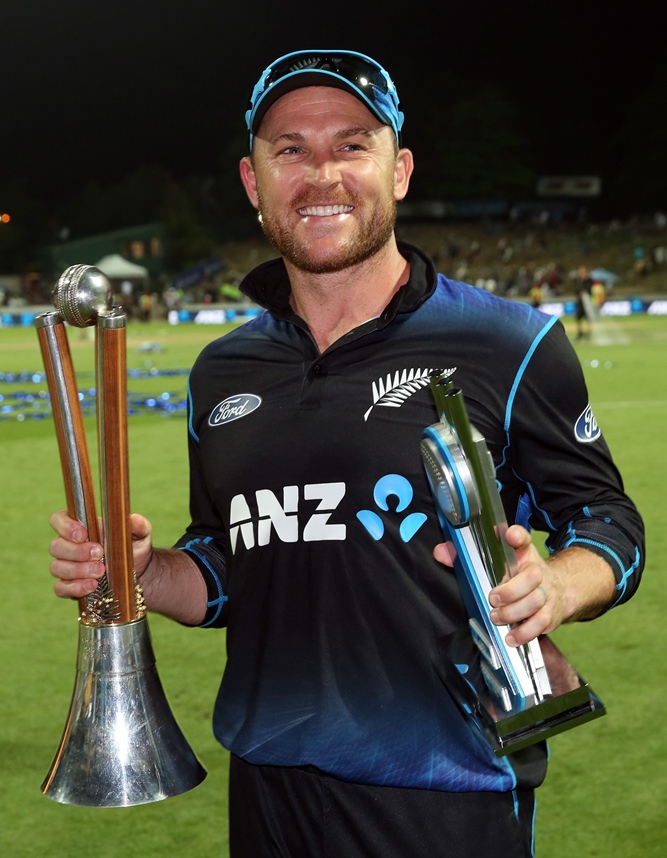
(539, 262)
(530, 261)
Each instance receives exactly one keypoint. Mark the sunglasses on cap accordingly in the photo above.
(347, 70)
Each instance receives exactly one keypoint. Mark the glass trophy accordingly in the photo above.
(516, 696)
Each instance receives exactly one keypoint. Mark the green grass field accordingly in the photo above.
(604, 795)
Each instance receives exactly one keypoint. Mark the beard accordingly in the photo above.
(374, 230)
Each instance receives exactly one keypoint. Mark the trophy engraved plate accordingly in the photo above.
(516, 696)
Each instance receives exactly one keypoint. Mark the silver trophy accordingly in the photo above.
(121, 745)
(516, 696)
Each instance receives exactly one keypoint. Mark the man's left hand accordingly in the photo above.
(534, 601)
(573, 584)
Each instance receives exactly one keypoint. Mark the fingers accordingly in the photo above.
(71, 561)
(68, 527)
(516, 594)
(523, 633)
(445, 553)
(75, 589)
(76, 579)
(531, 601)
(66, 553)
(77, 563)
(529, 617)
(534, 618)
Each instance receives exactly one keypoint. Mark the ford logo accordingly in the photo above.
(586, 428)
(234, 407)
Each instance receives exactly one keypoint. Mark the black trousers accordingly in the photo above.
(277, 812)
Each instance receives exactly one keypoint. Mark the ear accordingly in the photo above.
(404, 166)
(249, 180)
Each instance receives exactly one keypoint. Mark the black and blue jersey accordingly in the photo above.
(313, 522)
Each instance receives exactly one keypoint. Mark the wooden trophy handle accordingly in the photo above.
(114, 460)
(68, 419)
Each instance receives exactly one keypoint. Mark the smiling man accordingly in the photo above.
(313, 531)
(325, 173)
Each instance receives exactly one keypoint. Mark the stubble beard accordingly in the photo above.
(372, 235)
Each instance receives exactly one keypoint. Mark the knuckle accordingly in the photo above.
(55, 569)
(543, 622)
(511, 614)
(534, 574)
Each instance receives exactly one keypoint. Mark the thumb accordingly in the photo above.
(520, 540)
(445, 553)
(141, 526)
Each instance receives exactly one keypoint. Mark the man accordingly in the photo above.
(585, 308)
(313, 527)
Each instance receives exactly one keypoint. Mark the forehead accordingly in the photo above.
(316, 107)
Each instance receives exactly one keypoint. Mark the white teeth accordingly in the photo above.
(324, 211)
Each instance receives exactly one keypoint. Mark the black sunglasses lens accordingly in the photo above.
(358, 72)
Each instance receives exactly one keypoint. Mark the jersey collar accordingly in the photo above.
(268, 285)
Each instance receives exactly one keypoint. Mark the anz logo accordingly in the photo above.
(280, 518)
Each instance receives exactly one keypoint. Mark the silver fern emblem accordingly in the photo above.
(101, 606)
(392, 391)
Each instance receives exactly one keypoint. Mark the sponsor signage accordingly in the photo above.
(586, 429)
(216, 316)
(233, 408)
(569, 186)
(609, 308)
(212, 315)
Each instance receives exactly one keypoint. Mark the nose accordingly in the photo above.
(323, 172)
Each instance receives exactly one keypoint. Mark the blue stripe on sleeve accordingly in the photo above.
(517, 381)
(543, 512)
(220, 601)
(191, 410)
(524, 364)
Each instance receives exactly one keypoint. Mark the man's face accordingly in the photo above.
(325, 177)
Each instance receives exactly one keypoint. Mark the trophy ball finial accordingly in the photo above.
(81, 293)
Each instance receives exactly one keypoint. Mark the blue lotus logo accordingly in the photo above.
(392, 485)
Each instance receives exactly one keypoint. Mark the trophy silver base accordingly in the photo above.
(121, 745)
(571, 702)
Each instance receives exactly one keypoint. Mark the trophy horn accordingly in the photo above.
(121, 745)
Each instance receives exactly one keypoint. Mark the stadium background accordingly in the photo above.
(127, 114)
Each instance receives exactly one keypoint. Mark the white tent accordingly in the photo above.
(117, 268)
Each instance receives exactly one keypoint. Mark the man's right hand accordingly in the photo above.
(77, 564)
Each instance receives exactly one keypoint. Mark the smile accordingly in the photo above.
(324, 211)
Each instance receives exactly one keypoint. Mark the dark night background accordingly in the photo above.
(101, 103)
